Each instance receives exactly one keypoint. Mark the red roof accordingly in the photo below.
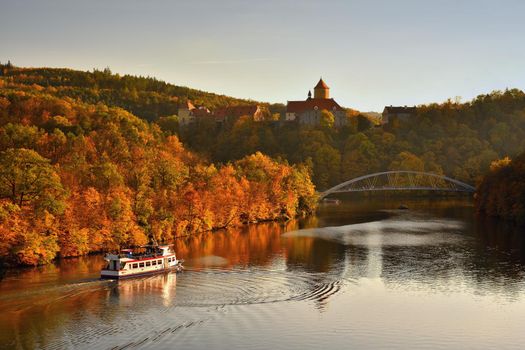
(235, 111)
(321, 103)
(188, 105)
(201, 112)
(321, 85)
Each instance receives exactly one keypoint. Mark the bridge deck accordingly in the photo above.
(402, 180)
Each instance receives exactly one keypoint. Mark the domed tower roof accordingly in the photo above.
(321, 85)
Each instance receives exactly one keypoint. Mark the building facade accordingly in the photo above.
(188, 113)
(308, 112)
(394, 114)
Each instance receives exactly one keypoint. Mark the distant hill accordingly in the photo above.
(146, 97)
(457, 139)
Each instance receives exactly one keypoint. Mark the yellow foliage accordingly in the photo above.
(500, 163)
(113, 181)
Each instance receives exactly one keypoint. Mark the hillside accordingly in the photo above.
(145, 97)
(502, 191)
(457, 139)
(77, 177)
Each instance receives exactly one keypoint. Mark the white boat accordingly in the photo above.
(148, 260)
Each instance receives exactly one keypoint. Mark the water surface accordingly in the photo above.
(359, 275)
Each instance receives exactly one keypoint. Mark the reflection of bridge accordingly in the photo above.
(400, 180)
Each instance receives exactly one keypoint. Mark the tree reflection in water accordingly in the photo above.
(320, 261)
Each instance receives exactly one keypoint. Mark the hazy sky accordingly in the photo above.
(371, 53)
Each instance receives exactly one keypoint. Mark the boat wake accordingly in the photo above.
(227, 288)
(19, 300)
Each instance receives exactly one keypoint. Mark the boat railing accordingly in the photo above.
(140, 256)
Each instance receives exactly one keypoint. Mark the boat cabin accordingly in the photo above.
(147, 259)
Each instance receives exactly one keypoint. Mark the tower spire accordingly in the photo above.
(321, 90)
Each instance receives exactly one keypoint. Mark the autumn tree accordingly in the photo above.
(501, 193)
(407, 161)
(28, 179)
(327, 119)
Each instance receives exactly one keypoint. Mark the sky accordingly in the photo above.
(371, 53)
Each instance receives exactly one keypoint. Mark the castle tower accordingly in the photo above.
(321, 90)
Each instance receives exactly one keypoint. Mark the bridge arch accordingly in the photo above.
(400, 180)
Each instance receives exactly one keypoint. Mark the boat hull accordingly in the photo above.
(118, 275)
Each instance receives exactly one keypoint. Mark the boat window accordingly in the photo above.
(160, 262)
(169, 259)
(135, 266)
(154, 262)
(148, 263)
(141, 264)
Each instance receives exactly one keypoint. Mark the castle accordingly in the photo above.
(308, 112)
(189, 113)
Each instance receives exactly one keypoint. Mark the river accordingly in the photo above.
(358, 275)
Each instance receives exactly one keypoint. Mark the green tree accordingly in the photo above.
(407, 161)
(19, 136)
(327, 119)
(106, 176)
(363, 123)
(26, 178)
(169, 125)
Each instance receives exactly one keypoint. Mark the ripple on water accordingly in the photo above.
(394, 255)
(152, 311)
(221, 287)
(390, 232)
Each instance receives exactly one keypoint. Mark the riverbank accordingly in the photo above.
(415, 277)
(502, 192)
(254, 189)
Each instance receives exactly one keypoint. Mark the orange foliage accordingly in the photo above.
(126, 184)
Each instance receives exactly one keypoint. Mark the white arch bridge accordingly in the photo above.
(400, 180)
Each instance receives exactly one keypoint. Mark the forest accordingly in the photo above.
(456, 139)
(77, 177)
(453, 138)
(145, 97)
(92, 161)
(502, 191)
